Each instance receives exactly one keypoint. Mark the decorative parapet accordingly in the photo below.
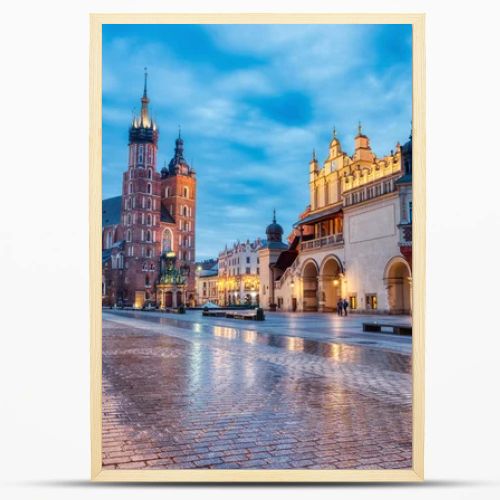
(326, 241)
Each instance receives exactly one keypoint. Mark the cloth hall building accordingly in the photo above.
(148, 233)
(353, 241)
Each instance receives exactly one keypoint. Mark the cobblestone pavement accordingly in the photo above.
(191, 393)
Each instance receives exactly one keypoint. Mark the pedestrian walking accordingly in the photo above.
(345, 304)
(339, 307)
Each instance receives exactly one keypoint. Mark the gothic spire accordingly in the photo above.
(145, 94)
(145, 120)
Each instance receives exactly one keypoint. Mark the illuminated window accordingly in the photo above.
(353, 302)
(371, 301)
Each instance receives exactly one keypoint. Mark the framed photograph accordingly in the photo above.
(257, 247)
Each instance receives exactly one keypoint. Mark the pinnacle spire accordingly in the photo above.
(334, 132)
(274, 216)
(359, 128)
(314, 155)
(145, 94)
(145, 119)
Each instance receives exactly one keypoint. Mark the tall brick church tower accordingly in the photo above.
(156, 224)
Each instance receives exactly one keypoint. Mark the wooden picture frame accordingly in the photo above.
(201, 475)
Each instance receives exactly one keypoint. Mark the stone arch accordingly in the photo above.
(334, 257)
(397, 279)
(331, 272)
(310, 273)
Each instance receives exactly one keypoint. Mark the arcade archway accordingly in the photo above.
(330, 278)
(398, 282)
(310, 286)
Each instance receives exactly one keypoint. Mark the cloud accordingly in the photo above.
(253, 102)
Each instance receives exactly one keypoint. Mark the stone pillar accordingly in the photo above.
(320, 294)
(410, 283)
(342, 288)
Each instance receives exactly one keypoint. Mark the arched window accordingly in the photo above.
(109, 239)
(150, 173)
(146, 280)
(129, 188)
(148, 204)
(150, 155)
(184, 210)
(148, 235)
(148, 220)
(140, 159)
(166, 241)
(148, 189)
(129, 219)
(185, 192)
(129, 235)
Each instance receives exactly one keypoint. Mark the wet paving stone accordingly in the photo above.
(210, 398)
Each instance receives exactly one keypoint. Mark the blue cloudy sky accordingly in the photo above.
(253, 101)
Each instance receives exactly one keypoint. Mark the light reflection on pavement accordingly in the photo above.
(191, 392)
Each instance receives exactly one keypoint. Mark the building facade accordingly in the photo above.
(238, 275)
(148, 233)
(207, 273)
(354, 240)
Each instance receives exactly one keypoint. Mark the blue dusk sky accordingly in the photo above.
(253, 101)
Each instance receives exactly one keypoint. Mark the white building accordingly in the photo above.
(206, 278)
(238, 280)
(354, 239)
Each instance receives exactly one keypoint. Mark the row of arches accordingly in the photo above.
(322, 284)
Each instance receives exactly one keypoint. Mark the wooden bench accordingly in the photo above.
(396, 329)
(174, 310)
(254, 314)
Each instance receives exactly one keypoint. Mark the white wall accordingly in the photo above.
(371, 240)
